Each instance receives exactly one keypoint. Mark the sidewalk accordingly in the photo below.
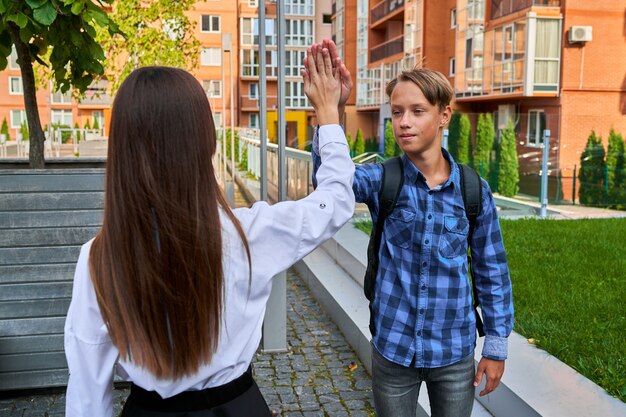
(312, 379)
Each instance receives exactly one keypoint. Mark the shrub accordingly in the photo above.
(87, 124)
(616, 171)
(485, 135)
(454, 133)
(96, 125)
(592, 172)
(5, 129)
(77, 132)
(24, 130)
(508, 178)
(390, 140)
(463, 150)
(359, 145)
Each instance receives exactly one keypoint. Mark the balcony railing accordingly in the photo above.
(385, 8)
(501, 8)
(333, 9)
(391, 47)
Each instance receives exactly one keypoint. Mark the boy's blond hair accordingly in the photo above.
(434, 85)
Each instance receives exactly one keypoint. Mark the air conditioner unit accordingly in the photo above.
(580, 34)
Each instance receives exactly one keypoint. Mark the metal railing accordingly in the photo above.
(384, 8)
(391, 47)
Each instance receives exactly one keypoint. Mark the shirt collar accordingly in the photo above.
(411, 173)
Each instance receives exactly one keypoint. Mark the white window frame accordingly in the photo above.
(211, 28)
(299, 32)
(13, 59)
(251, 38)
(453, 22)
(253, 120)
(22, 117)
(253, 3)
(294, 62)
(98, 114)
(253, 91)
(253, 67)
(63, 113)
(294, 95)
(217, 117)
(209, 87)
(537, 141)
(208, 55)
(20, 90)
(299, 8)
(452, 66)
(56, 97)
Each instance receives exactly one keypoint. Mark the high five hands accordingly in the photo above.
(327, 82)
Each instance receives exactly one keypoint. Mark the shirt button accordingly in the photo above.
(426, 242)
(421, 311)
(430, 216)
(423, 287)
(424, 264)
(419, 332)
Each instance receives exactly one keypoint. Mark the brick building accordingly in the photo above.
(544, 64)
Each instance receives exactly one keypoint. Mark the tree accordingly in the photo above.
(77, 130)
(5, 129)
(359, 144)
(616, 166)
(454, 134)
(96, 125)
(88, 125)
(24, 131)
(592, 172)
(57, 34)
(485, 135)
(350, 143)
(463, 150)
(158, 33)
(508, 176)
(390, 140)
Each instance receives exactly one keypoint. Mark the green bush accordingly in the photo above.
(350, 143)
(359, 145)
(228, 147)
(615, 163)
(592, 172)
(243, 163)
(24, 130)
(371, 145)
(96, 125)
(87, 124)
(485, 136)
(508, 178)
(454, 133)
(65, 134)
(390, 140)
(464, 154)
(78, 139)
(5, 129)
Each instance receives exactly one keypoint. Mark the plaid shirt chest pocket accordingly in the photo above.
(453, 240)
(399, 227)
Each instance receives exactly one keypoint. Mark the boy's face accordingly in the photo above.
(416, 122)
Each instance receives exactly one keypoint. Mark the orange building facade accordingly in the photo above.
(542, 64)
(228, 34)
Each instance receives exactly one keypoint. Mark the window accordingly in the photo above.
(15, 86)
(17, 117)
(210, 23)
(250, 63)
(97, 115)
(211, 57)
(468, 52)
(452, 66)
(547, 55)
(250, 31)
(213, 88)
(294, 61)
(61, 98)
(299, 32)
(252, 3)
(299, 7)
(453, 19)
(13, 59)
(62, 117)
(327, 19)
(253, 91)
(217, 119)
(294, 95)
(254, 120)
(536, 126)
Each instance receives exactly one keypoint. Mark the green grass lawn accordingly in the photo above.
(569, 289)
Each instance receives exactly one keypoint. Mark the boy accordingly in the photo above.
(424, 323)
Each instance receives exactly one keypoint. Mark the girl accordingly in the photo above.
(171, 293)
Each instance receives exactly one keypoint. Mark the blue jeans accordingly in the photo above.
(396, 388)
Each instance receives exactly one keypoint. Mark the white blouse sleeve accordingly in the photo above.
(281, 234)
(90, 354)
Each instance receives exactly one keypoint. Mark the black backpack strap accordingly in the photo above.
(392, 180)
(471, 190)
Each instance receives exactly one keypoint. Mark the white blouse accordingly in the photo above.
(278, 235)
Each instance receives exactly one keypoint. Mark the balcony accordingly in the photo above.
(96, 96)
(250, 103)
(501, 8)
(333, 9)
(385, 50)
(385, 8)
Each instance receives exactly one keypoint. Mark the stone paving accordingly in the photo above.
(319, 375)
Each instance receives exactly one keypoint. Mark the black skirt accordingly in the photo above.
(240, 397)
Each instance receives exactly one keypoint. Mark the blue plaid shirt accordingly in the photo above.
(422, 303)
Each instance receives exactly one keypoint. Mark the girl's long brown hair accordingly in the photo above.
(156, 264)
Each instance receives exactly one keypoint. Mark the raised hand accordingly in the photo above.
(322, 85)
(346, 80)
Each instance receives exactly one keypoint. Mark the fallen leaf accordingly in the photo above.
(352, 366)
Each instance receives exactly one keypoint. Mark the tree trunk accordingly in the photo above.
(35, 133)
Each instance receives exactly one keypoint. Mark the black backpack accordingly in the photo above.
(392, 181)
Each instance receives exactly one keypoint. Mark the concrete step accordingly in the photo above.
(64, 236)
(46, 201)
